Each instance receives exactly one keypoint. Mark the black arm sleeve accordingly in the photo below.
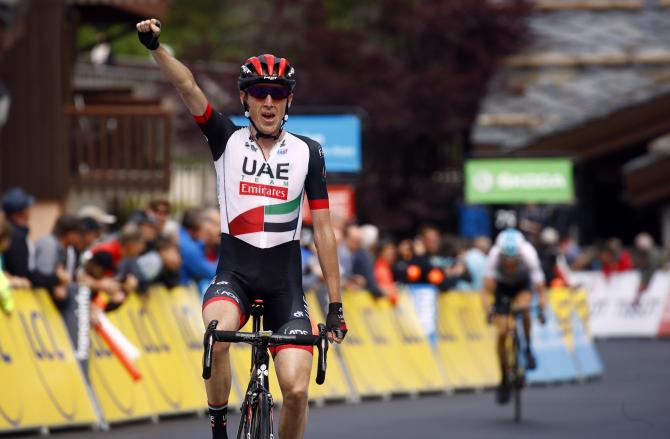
(315, 182)
(39, 279)
(217, 130)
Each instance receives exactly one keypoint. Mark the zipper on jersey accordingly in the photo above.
(272, 150)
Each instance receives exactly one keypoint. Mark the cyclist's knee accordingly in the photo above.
(295, 395)
(221, 349)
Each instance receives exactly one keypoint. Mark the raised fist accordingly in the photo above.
(148, 32)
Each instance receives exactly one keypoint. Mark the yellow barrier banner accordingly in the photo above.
(386, 347)
(170, 389)
(41, 381)
(414, 349)
(181, 311)
(119, 397)
(335, 386)
(465, 342)
(480, 336)
(580, 303)
(560, 301)
(169, 384)
(365, 350)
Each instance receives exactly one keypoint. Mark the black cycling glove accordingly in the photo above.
(149, 39)
(335, 320)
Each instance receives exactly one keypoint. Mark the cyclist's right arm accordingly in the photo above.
(176, 73)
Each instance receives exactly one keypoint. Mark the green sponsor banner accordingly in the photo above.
(518, 181)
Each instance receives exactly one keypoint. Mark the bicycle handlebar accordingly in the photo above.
(517, 312)
(212, 336)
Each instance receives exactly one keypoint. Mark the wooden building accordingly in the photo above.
(52, 142)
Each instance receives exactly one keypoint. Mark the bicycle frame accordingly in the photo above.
(257, 407)
(259, 382)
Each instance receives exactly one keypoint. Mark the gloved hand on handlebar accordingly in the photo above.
(335, 324)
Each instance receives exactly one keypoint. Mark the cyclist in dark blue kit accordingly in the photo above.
(263, 174)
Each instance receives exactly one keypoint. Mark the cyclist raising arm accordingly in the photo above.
(512, 268)
(263, 174)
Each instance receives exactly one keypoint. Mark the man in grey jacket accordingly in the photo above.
(58, 253)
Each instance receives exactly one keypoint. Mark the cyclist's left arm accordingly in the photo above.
(326, 247)
(324, 239)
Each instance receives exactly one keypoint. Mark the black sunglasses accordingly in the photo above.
(262, 92)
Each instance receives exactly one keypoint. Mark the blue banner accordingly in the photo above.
(424, 298)
(586, 355)
(554, 360)
(338, 134)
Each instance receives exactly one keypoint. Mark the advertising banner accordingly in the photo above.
(424, 299)
(335, 386)
(554, 360)
(341, 201)
(464, 346)
(664, 327)
(364, 352)
(612, 311)
(417, 352)
(42, 384)
(503, 181)
(180, 309)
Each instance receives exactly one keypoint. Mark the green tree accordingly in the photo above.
(417, 68)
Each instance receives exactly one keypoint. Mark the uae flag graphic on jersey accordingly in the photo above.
(281, 217)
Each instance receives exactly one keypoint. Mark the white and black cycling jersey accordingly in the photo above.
(261, 199)
(261, 202)
(529, 266)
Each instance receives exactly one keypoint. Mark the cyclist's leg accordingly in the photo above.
(501, 312)
(501, 321)
(522, 302)
(223, 301)
(293, 366)
(286, 313)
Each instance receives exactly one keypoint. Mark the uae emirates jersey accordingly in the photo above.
(261, 199)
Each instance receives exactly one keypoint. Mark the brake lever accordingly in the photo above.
(208, 345)
(323, 354)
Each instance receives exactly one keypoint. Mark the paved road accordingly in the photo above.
(631, 401)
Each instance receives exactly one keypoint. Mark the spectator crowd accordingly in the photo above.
(91, 248)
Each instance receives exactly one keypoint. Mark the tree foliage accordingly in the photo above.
(417, 68)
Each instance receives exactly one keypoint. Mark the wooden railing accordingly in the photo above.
(120, 146)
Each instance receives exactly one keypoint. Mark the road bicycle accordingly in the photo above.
(257, 408)
(516, 358)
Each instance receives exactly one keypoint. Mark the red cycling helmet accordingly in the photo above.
(266, 69)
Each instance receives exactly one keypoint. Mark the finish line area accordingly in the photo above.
(631, 399)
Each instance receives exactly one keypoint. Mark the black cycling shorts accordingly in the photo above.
(284, 310)
(505, 294)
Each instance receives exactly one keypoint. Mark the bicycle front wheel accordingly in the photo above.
(261, 421)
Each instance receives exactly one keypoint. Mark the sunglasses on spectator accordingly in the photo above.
(262, 92)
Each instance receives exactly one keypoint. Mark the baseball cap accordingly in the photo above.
(97, 214)
(15, 200)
